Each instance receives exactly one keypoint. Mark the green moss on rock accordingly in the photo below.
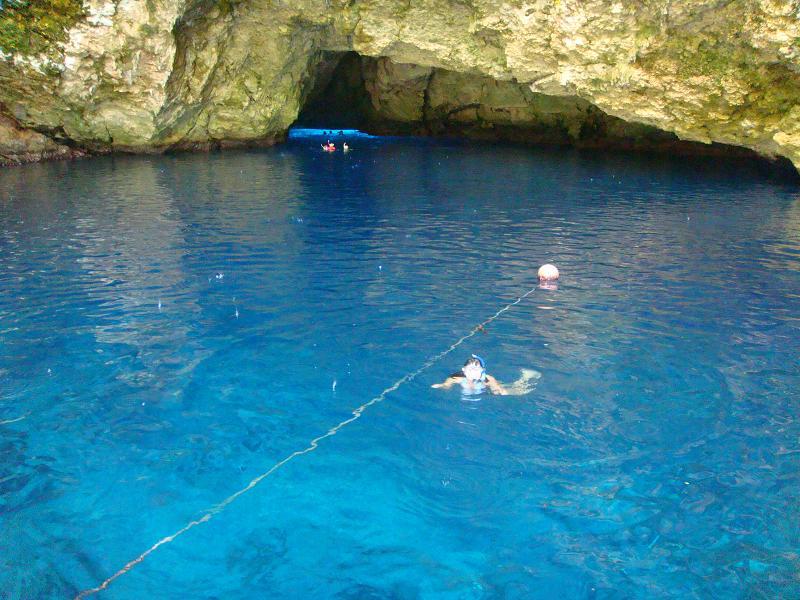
(35, 26)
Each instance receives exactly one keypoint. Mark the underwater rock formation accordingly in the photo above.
(149, 75)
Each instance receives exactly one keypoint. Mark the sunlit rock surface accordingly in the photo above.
(146, 75)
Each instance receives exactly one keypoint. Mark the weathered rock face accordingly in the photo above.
(19, 145)
(413, 99)
(146, 75)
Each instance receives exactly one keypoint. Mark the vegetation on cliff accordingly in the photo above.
(146, 75)
(35, 26)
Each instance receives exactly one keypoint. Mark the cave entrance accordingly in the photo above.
(338, 98)
(378, 96)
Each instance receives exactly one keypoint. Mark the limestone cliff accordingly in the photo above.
(145, 75)
(413, 99)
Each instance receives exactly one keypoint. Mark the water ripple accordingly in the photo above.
(170, 326)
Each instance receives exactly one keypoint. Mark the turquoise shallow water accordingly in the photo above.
(171, 327)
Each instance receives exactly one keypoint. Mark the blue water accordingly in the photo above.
(171, 327)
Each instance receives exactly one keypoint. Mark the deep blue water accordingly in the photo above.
(171, 327)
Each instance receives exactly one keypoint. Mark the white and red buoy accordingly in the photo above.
(548, 272)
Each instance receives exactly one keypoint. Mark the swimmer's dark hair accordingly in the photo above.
(473, 361)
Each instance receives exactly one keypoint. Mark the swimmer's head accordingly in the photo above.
(474, 369)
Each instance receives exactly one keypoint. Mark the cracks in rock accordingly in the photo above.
(201, 35)
(426, 102)
(540, 79)
(462, 108)
(700, 17)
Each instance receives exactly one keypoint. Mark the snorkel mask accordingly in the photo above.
(470, 369)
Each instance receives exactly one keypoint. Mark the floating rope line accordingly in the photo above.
(312, 445)
(9, 421)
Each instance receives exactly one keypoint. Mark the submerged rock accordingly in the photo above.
(148, 75)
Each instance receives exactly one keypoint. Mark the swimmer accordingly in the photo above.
(345, 147)
(473, 378)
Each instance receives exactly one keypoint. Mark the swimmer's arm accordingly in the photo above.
(446, 384)
(495, 386)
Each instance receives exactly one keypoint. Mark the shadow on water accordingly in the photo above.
(649, 164)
